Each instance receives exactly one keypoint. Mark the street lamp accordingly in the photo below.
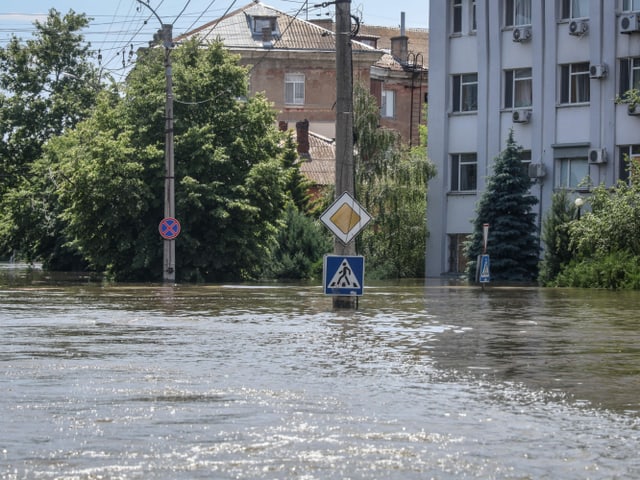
(579, 202)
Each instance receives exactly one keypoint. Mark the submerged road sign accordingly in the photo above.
(345, 218)
(484, 269)
(343, 275)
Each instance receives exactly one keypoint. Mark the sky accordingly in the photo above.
(118, 26)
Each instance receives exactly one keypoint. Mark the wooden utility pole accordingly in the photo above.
(344, 127)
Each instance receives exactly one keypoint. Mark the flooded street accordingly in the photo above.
(267, 382)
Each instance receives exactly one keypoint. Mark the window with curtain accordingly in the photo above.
(629, 74)
(575, 83)
(628, 153)
(518, 88)
(456, 6)
(464, 172)
(388, 104)
(294, 88)
(574, 9)
(572, 173)
(465, 92)
(630, 5)
(517, 13)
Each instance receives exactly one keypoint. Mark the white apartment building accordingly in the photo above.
(551, 70)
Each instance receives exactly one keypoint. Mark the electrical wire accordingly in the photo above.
(183, 9)
(201, 15)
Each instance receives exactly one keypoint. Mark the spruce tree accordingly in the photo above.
(555, 235)
(506, 205)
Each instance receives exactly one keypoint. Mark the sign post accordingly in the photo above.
(484, 275)
(343, 273)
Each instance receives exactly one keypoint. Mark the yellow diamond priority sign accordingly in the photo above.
(345, 218)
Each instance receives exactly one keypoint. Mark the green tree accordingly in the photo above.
(47, 85)
(391, 183)
(230, 178)
(555, 235)
(297, 185)
(605, 241)
(506, 206)
(301, 244)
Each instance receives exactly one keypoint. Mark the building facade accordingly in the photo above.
(293, 62)
(551, 70)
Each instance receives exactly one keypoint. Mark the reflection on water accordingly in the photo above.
(266, 381)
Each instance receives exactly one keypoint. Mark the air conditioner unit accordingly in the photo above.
(578, 27)
(521, 116)
(633, 109)
(629, 23)
(597, 155)
(521, 34)
(537, 170)
(598, 71)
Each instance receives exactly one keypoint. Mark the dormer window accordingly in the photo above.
(262, 23)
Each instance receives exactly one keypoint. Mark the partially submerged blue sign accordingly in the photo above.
(343, 275)
(484, 269)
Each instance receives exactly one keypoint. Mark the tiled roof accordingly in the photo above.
(236, 32)
(418, 39)
(320, 167)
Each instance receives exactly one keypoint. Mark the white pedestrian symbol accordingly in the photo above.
(344, 277)
(485, 269)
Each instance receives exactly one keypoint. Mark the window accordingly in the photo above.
(574, 9)
(517, 13)
(630, 5)
(388, 107)
(465, 92)
(572, 173)
(456, 5)
(260, 23)
(525, 160)
(457, 259)
(464, 172)
(474, 18)
(294, 88)
(629, 153)
(629, 74)
(517, 88)
(574, 86)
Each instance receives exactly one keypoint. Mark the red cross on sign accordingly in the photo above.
(169, 228)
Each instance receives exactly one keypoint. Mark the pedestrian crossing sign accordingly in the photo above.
(343, 275)
(484, 269)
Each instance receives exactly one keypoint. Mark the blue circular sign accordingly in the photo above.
(169, 228)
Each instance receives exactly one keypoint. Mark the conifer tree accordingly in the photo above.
(506, 205)
(555, 235)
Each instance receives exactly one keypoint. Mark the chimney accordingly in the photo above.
(325, 23)
(400, 44)
(302, 132)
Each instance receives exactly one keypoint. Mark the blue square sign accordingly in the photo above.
(343, 275)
